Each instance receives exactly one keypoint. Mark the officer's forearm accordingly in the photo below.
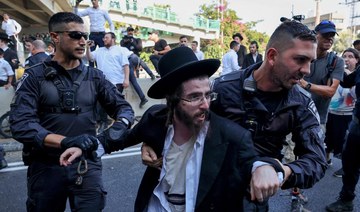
(53, 140)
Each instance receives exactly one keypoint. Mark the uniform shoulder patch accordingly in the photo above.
(21, 81)
(230, 77)
(312, 108)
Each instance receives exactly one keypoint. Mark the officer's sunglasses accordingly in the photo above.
(75, 34)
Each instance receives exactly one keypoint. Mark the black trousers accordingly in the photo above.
(351, 162)
(50, 185)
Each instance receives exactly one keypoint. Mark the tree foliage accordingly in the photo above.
(343, 41)
(230, 24)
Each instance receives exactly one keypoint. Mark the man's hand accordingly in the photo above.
(264, 183)
(126, 83)
(69, 156)
(90, 43)
(7, 86)
(78, 2)
(111, 138)
(149, 157)
(86, 143)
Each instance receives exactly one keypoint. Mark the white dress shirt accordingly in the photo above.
(97, 18)
(230, 62)
(111, 62)
(158, 201)
(199, 54)
(5, 70)
(11, 27)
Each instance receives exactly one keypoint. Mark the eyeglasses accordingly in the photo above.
(198, 99)
(75, 34)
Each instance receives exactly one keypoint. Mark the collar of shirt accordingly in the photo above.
(193, 167)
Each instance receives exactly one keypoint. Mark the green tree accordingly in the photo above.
(229, 25)
(343, 41)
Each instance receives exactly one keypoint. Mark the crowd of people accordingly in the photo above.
(217, 145)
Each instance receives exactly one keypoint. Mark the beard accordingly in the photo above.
(189, 120)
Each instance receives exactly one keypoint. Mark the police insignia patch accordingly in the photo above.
(313, 110)
(22, 80)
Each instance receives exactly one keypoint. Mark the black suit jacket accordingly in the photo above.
(249, 60)
(226, 164)
(241, 55)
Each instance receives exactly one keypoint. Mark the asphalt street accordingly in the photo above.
(122, 172)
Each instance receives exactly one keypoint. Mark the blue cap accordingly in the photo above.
(325, 27)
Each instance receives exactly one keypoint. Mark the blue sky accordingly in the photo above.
(269, 11)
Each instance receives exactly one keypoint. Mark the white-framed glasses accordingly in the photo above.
(198, 99)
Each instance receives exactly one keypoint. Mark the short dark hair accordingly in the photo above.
(129, 29)
(357, 42)
(194, 41)
(254, 43)
(57, 21)
(233, 44)
(286, 32)
(113, 36)
(354, 51)
(238, 35)
(30, 39)
(182, 36)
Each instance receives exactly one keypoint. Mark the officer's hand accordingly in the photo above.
(86, 143)
(264, 183)
(149, 157)
(111, 137)
(70, 155)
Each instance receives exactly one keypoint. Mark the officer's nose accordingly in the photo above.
(305, 70)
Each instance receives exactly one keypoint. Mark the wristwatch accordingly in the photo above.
(308, 86)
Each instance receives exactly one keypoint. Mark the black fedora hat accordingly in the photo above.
(4, 37)
(177, 66)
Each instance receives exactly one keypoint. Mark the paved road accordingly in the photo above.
(122, 173)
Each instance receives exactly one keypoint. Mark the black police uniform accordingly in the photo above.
(36, 58)
(270, 117)
(350, 154)
(36, 112)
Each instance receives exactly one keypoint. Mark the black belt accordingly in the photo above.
(97, 33)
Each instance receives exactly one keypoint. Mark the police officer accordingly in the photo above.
(48, 115)
(263, 99)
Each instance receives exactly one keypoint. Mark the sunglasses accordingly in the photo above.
(75, 34)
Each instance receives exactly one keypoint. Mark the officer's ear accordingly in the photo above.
(271, 55)
(55, 37)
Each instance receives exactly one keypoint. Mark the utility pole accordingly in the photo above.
(317, 13)
(353, 16)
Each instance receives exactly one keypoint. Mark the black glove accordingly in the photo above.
(111, 139)
(86, 143)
